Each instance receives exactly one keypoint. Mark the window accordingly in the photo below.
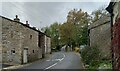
(33, 51)
(30, 36)
(39, 41)
(13, 51)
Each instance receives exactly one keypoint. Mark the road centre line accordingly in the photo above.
(55, 63)
(50, 66)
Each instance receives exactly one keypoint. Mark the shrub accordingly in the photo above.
(91, 56)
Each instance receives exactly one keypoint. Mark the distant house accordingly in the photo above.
(100, 36)
(114, 10)
(19, 42)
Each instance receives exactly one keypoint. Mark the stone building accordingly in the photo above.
(100, 36)
(20, 43)
(114, 10)
(0, 40)
(45, 44)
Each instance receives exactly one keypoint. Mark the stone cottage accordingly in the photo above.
(20, 43)
(114, 10)
(100, 36)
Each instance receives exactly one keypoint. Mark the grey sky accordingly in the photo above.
(41, 14)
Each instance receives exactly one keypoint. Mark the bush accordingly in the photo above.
(91, 56)
(105, 65)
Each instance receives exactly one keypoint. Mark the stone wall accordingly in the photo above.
(42, 44)
(48, 45)
(16, 37)
(116, 36)
(0, 40)
(29, 39)
(11, 46)
(100, 36)
(45, 45)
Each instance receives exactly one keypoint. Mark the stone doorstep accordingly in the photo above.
(20, 66)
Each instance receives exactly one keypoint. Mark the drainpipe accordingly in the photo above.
(111, 25)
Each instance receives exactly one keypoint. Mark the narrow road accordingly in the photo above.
(58, 60)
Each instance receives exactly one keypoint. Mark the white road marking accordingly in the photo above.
(55, 63)
(57, 60)
(64, 55)
(50, 66)
(47, 60)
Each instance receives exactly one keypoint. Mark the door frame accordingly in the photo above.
(25, 61)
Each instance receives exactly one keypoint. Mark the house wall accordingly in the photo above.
(45, 45)
(48, 45)
(0, 40)
(16, 37)
(42, 45)
(101, 37)
(29, 39)
(45, 38)
(116, 36)
(11, 47)
(39, 46)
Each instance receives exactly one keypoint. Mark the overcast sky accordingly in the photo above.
(41, 14)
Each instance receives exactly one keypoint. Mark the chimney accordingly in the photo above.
(34, 28)
(27, 23)
(38, 29)
(17, 19)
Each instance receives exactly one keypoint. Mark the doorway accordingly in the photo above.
(25, 55)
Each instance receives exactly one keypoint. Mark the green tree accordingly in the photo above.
(53, 32)
(97, 14)
(74, 31)
(67, 33)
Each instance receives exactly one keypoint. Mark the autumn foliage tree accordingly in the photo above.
(73, 32)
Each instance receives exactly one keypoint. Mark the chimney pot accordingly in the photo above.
(17, 19)
(16, 16)
(27, 23)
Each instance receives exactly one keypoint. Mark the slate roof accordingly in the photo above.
(103, 20)
(33, 28)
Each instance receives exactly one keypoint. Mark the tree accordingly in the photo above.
(53, 32)
(67, 33)
(74, 31)
(98, 13)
